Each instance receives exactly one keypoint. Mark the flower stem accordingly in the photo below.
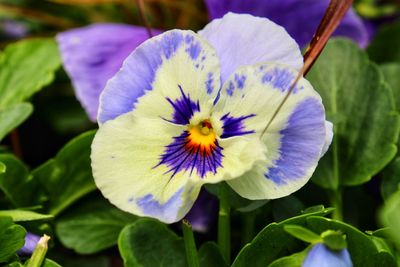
(337, 203)
(39, 253)
(248, 227)
(190, 245)
(224, 227)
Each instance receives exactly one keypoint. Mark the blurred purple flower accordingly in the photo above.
(11, 29)
(321, 256)
(299, 17)
(31, 241)
(93, 54)
(204, 212)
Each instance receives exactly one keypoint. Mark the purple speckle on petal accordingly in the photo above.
(209, 83)
(184, 108)
(171, 43)
(240, 80)
(194, 50)
(230, 89)
(279, 78)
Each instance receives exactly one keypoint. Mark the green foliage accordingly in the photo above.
(26, 67)
(272, 242)
(294, 260)
(302, 233)
(12, 238)
(390, 216)
(385, 46)
(68, 176)
(362, 109)
(92, 226)
(16, 183)
(210, 256)
(25, 215)
(148, 242)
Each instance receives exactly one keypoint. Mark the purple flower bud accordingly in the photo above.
(31, 241)
(321, 256)
(203, 212)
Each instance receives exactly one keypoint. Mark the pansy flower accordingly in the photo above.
(188, 109)
(299, 17)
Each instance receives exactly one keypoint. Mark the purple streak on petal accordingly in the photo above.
(299, 17)
(204, 212)
(184, 155)
(321, 256)
(31, 241)
(151, 207)
(93, 54)
(184, 108)
(301, 142)
(234, 126)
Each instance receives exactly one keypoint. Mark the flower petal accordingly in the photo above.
(172, 60)
(299, 17)
(295, 138)
(321, 256)
(91, 55)
(242, 39)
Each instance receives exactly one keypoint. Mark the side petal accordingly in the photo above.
(242, 39)
(294, 140)
(91, 55)
(178, 64)
(299, 17)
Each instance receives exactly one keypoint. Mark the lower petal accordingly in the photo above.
(125, 161)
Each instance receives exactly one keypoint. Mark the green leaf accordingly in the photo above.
(210, 256)
(68, 176)
(294, 260)
(12, 238)
(92, 226)
(302, 233)
(25, 215)
(272, 242)
(334, 240)
(386, 43)
(2, 168)
(13, 116)
(390, 179)
(26, 67)
(50, 263)
(391, 75)
(150, 243)
(362, 109)
(286, 207)
(16, 183)
(362, 248)
(390, 216)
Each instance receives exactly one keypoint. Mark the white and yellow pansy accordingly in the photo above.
(188, 109)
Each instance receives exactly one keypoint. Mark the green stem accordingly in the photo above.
(337, 203)
(248, 227)
(224, 227)
(39, 253)
(190, 245)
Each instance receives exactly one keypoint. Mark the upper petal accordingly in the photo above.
(91, 55)
(295, 138)
(175, 59)
(242, 39)
(299, 17)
